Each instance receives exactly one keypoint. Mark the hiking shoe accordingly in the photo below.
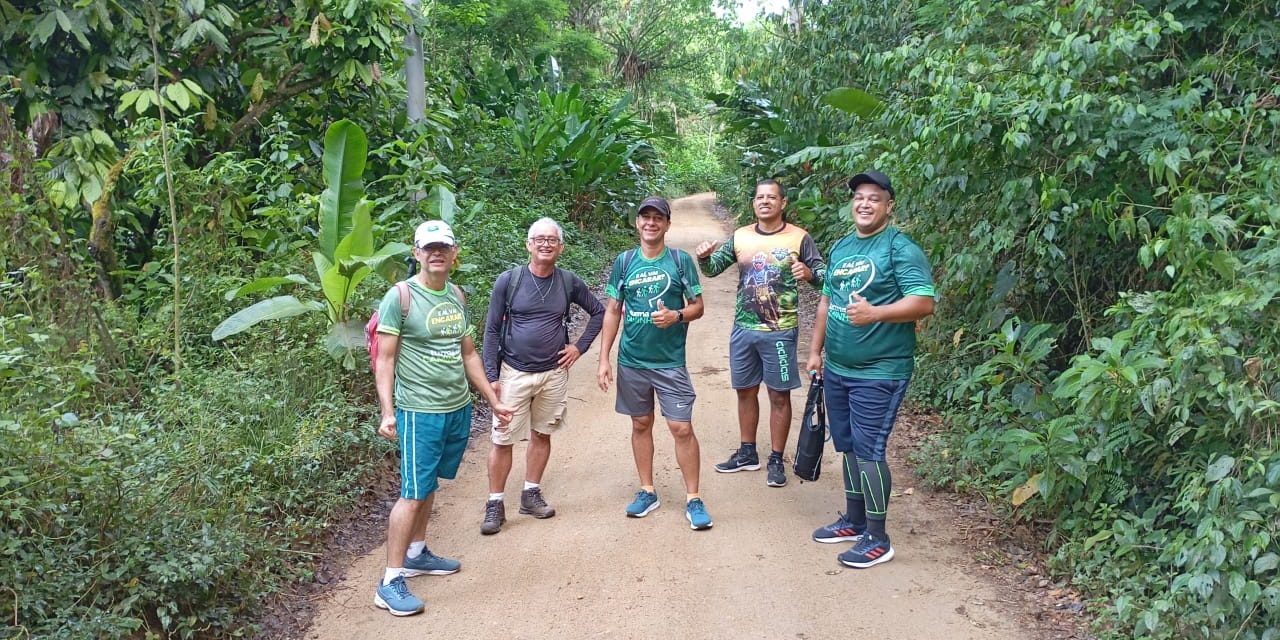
(533, 504)
(395, 597)
(777, 474)
(842, 530)
(645, 502)
(697, 514)
(495, 515)
(430, 564)
(741, 460)
(868, 552)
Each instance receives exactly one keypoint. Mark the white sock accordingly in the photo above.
(415, 548)
(496, 496)
(392, 574)
(530, 485)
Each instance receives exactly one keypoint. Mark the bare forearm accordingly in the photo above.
(908, 309)
(819, 337)
(474, 367)
(609, 331)
(694, 310)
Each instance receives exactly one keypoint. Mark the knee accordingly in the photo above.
(641, 426)
(779, 399)
(749, 393)
(681, 430)
(538, 438)
(411, 505)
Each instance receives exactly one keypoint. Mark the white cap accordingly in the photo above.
(432, 232)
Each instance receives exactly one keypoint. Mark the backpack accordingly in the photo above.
(630, 255)
(371, 327)
(513, 282)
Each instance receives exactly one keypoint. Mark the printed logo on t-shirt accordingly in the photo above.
(852, 275)
(445, 320)
(648, 285)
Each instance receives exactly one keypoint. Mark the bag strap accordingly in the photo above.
(626, 266)
(405, 299)
(563, 279)
(513, 283)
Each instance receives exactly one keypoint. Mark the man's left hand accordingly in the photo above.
(801, 271)
(569, 355)
(663, 317)
(859, 311)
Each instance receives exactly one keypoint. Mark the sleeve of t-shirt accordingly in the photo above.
(911, 269)
(583, 297)
(493, 325)
(693, 285)
(810, 256)
(719, 260)
(614, 285)
(389, 312)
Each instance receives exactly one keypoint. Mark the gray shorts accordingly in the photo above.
(764, 356)
(637, 386)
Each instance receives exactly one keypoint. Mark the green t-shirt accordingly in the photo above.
(429, 372)
(647, 281)
(883, 268)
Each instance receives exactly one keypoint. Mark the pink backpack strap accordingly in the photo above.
(405, 299)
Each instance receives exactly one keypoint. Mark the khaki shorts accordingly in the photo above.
(540, 402)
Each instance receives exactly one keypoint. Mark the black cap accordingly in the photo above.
(656, 203)
(872, 177)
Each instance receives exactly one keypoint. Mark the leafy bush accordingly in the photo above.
(1096, 184)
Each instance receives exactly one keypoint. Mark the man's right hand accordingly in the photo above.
(387, 428)
(814, 365)
(705, 249)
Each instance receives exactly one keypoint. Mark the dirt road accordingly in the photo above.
(590, 572)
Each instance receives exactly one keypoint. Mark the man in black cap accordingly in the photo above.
(878, 285)
(653, 294)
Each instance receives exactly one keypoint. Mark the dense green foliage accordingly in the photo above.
(1096, 183)
(154, 481)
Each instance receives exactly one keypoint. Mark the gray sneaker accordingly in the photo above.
(495, 515)
(777, 473)
(532, 503)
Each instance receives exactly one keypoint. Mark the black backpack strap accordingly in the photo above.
(513, 282)
(566, 285)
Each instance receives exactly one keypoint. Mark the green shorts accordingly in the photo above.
(431, 447)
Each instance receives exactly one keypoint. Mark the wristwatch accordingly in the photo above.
(680, 315)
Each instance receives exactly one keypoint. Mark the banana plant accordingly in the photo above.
(345, 257)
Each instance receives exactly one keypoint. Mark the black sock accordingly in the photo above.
(775, 455)
(749, 447)
(876, 529)
(855, 505)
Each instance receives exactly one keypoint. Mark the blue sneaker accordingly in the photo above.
(395, 597)
(697, 514)
(645, 502)
(430, 564)
(868, 552)
(842, 530)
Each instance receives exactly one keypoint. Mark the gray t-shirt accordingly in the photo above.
(535, 331)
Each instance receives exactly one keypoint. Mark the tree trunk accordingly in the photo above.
(101, 234)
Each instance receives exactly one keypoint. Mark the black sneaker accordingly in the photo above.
(741, 460)
(777, 474)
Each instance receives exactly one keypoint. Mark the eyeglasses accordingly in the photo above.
(545, 241)
(436, 247)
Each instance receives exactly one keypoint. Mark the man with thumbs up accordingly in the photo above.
(653, 294)
(878, 285)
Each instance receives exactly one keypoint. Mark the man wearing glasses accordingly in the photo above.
(773, 256)
(527, 356)
(425, 403)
